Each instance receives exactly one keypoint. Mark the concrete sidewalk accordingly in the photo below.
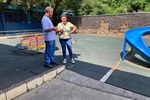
(61, 90)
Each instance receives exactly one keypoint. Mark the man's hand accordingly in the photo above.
(52, 29)
(55, 29)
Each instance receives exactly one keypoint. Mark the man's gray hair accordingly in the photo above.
(48, 9)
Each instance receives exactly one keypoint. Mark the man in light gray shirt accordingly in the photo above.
(49, 37)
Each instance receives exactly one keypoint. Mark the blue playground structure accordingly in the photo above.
(134, 38)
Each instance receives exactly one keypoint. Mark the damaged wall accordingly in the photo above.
(109, 24)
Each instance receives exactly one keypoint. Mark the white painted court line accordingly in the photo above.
(106, 76)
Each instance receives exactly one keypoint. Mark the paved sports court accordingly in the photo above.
(97, 57)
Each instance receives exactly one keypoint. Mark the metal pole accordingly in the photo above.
(124, 49)
(3, 21)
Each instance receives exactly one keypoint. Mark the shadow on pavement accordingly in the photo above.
(129, 81)
(16, 67)
(88, 69)
(19, 65)
(133, 59)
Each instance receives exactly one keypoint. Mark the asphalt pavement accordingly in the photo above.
(98, 69)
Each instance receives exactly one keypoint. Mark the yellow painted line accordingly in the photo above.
(108, 74)
(116, 64)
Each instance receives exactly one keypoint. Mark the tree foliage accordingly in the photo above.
(3, 4)
(85, 7)
(96, 7)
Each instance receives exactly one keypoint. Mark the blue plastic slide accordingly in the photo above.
(134, 38)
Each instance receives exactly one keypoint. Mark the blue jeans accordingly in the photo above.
(64, 43)
(49, 52)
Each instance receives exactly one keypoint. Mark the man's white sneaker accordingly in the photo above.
(65, 61)
(72, 61)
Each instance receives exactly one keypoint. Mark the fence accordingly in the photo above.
(13, 21)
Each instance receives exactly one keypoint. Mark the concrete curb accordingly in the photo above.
(22, 87)
(34, 82)
(87, 82)
(19, 35)
(15, 90)
(2, 95)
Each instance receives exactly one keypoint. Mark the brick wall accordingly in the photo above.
(109, 24)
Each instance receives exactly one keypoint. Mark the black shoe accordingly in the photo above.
(54, 63)
(48, 66)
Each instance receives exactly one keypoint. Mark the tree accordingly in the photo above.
(96, 7)
(84, 7)
(29, 4)
(92, 7)
(137, 5)
(54, 3)
(4, 4)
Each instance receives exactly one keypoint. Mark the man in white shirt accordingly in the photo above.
(49, 37)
